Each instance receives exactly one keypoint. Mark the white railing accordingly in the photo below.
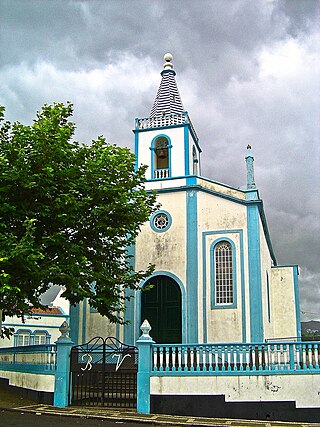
(161, 173)
(165, 120)
(220, 358)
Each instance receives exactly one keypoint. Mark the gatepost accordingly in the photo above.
(144, 344)
(61, 383)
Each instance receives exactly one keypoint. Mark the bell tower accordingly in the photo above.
(166, 141)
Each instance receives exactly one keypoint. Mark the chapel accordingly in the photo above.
(216, 276)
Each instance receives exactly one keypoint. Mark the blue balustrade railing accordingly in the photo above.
(31, 358)
(284, 357)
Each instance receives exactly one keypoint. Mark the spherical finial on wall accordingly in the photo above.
(168, 58)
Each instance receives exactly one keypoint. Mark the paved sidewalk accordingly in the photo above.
(9, 401)
(125, 415)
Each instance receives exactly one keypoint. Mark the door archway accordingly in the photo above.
(161, 306)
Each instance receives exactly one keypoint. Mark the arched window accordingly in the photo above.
(161, 151)
(223, 265)
(195, 160)
(160, 148)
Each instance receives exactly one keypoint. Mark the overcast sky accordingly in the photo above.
(248, 73)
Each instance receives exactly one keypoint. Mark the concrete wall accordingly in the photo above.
(38, 382)
(283, 302)
(302, 389)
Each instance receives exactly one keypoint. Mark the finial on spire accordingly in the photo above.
(168, 64)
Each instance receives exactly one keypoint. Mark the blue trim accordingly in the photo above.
(254, 261)
(153, 154)
(128, 334)
(192, 180)
(30, 325)
(84, 320)
(74, 323)
(192, 265)
(243, 295)
(136, 149)
(152, 221)
(186, 151)
(252, 195)
(297, 299)
(183, 304)
(29, 368)
(213, 273)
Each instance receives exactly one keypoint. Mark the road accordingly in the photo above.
(21, 419)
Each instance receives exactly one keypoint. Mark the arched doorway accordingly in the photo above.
(161, 306)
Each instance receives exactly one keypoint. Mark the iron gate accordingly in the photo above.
(103, 372)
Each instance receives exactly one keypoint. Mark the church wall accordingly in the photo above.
(219, 218)
(284, 302)
(267, 300)
(167, 250)
(100, 326)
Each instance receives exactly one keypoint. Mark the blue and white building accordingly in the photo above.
(216, 275)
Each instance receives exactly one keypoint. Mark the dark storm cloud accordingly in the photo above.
(246, 70)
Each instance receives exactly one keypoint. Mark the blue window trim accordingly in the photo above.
(31, 334)
(215, 306)
(153, 150)
(152, 219)
(206, 234)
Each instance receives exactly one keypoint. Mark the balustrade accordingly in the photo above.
(237, 357)
(38, 356)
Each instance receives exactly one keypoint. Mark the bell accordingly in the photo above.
(161, 154)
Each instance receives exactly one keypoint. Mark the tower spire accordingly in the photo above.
(168, 100)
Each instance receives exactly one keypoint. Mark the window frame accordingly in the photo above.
(157, 230)
(154, 156)
(214, 304)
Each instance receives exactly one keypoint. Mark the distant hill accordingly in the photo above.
(310, 330)
(311, 326)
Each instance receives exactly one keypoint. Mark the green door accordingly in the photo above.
(161, 306)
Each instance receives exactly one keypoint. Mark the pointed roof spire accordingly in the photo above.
(168, 99)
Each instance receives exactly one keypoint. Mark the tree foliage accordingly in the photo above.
(68, 212)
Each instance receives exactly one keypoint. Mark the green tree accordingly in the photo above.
(68, 212)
